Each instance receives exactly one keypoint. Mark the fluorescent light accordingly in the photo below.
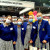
(25, 10)
(49, 1)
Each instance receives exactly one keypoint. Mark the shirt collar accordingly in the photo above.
(6, 25)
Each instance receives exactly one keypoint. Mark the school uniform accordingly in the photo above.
(30, 30)
(49, 37)
(8, 35)
(49, 34)
(42, 29)
(20, 37)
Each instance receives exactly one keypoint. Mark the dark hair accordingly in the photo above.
(19, 18)
(8, 16)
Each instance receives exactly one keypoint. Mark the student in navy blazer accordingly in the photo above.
(42, 28)
(20, 34)
(49, 34)
(8, 34)
(31, 33)
(49, 31)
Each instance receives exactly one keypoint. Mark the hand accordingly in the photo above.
(31, 41)
(44, 41)
(14, 42)
(26, 49)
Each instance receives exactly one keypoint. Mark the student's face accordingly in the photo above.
(8, 19)
(39, 16)
(30, 18)
(19, 21)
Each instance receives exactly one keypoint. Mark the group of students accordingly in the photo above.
(24, 33)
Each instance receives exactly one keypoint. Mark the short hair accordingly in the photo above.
(39, 13)
(8, 16)
(31, 15)
(19, 18)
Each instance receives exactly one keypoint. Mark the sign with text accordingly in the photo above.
(18, 3)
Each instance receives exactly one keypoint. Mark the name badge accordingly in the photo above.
(34, 27)
(22, 28)
(11, 28)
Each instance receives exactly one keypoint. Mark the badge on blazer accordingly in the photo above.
(22, 28)
(34, 27)
(11, 28)
(43, 29)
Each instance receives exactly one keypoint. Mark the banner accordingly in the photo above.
(18, 3)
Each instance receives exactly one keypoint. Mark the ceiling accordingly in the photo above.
(40, 2)
(42, 6)
(8, 8)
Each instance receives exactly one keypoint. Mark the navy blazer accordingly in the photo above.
(43, 32)
(22, 32)
(33, 31)
(8, 33)
(49, 34)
